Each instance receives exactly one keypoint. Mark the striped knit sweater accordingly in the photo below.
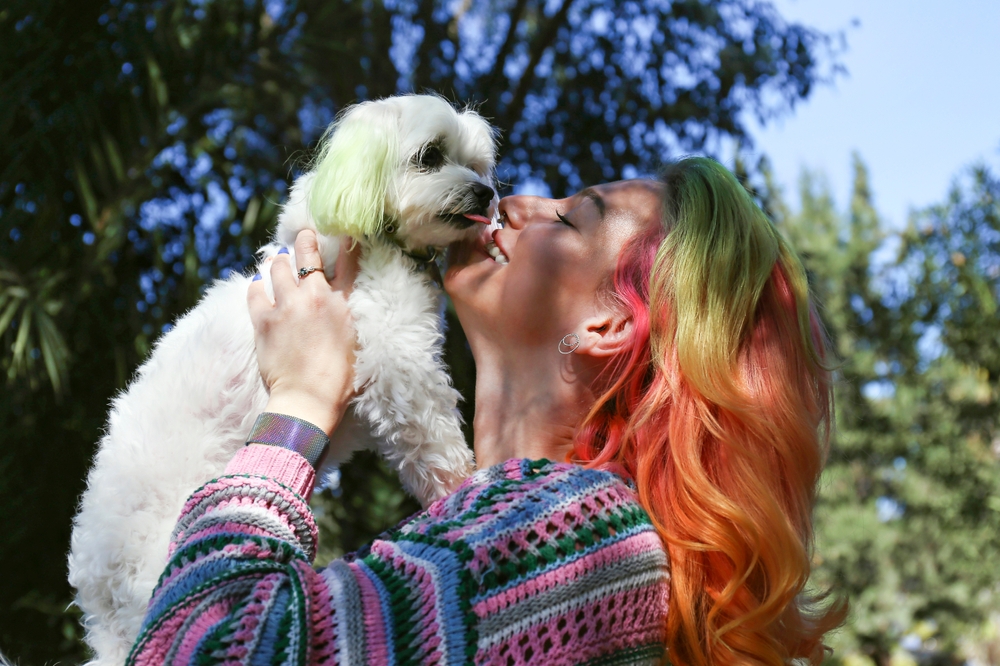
(528, 562)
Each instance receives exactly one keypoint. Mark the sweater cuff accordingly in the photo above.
(282, 465)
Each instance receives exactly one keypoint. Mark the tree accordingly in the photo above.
(909, 513)
(150, 141)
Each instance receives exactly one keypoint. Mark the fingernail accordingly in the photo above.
(283, 250)
(255, 277)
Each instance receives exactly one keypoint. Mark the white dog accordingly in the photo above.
(399, 176)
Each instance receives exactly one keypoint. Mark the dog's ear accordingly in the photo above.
(355, 166)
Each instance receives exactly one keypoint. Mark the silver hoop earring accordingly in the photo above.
(569, 347)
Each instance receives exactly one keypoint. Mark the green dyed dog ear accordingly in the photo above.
(356, 164)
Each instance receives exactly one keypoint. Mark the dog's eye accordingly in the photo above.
(431, 158)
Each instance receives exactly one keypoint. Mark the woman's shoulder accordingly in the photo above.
(540, 500)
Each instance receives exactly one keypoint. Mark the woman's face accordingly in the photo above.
(559, 254)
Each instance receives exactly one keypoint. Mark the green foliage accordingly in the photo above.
(148, 143)
(33, 304)
(908, 525)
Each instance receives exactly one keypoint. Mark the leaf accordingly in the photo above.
(19, 358)
(250, 217)
(54, 352)
(114, 156)
(8, 315)
(86, 193)
(156, 78)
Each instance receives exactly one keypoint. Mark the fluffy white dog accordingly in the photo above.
(400, 176)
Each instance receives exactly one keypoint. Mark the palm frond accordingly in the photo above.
(27, 311)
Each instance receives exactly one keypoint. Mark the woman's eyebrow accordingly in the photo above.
(594, 197)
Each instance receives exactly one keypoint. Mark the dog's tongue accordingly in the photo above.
(477, 218)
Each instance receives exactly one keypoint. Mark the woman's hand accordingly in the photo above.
(305, 340)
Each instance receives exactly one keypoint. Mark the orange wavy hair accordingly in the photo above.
(720, 412)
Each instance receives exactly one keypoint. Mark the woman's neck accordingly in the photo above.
(528, 407)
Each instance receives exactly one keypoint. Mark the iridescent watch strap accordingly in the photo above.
(290, 433)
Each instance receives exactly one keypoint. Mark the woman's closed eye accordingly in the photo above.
(562, 218)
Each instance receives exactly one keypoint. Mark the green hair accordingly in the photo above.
(353, 171)
(720, 251)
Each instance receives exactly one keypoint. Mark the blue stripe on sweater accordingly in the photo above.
(530, 507)
(203, 572)
(446, 567)
(264, 654)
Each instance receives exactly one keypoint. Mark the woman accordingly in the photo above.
(656, 335)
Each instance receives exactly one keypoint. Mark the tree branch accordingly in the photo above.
(548, 35)
(492, 86)
(434, 34)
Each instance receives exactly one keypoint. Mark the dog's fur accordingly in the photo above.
(192, 404)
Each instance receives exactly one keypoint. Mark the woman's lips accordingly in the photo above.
(484, 237)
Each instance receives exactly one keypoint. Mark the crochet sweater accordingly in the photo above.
(528, 562)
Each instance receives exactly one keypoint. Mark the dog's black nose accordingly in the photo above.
(483, 193)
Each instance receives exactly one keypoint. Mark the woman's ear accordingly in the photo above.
(605, 335)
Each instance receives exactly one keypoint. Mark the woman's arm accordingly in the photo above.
(240, 585)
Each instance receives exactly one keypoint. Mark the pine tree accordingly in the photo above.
(908, 524)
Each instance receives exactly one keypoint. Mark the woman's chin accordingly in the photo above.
(468, 267)
(466, 255)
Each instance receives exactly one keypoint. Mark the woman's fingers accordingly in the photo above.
(282, 274)
(258, 301)
(307, 254)
(347, 266)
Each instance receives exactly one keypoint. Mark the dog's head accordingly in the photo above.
(411, 167)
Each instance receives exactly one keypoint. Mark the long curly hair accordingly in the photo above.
(720, 411)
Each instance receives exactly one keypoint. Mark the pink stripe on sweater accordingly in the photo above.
(643, 542)
(275, 462)
(376, 640)
(243, 483)
(199, 627)
(625, 620)
(154, 650)
(229, 528)
(552, 525)
(205, 495)
(275, 512)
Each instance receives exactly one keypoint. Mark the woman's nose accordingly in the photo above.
(517, 211)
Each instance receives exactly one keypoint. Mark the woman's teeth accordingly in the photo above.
(494, 251)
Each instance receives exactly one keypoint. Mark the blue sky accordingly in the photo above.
(920, 101)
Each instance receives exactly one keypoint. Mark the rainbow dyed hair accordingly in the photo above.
(720, 411)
